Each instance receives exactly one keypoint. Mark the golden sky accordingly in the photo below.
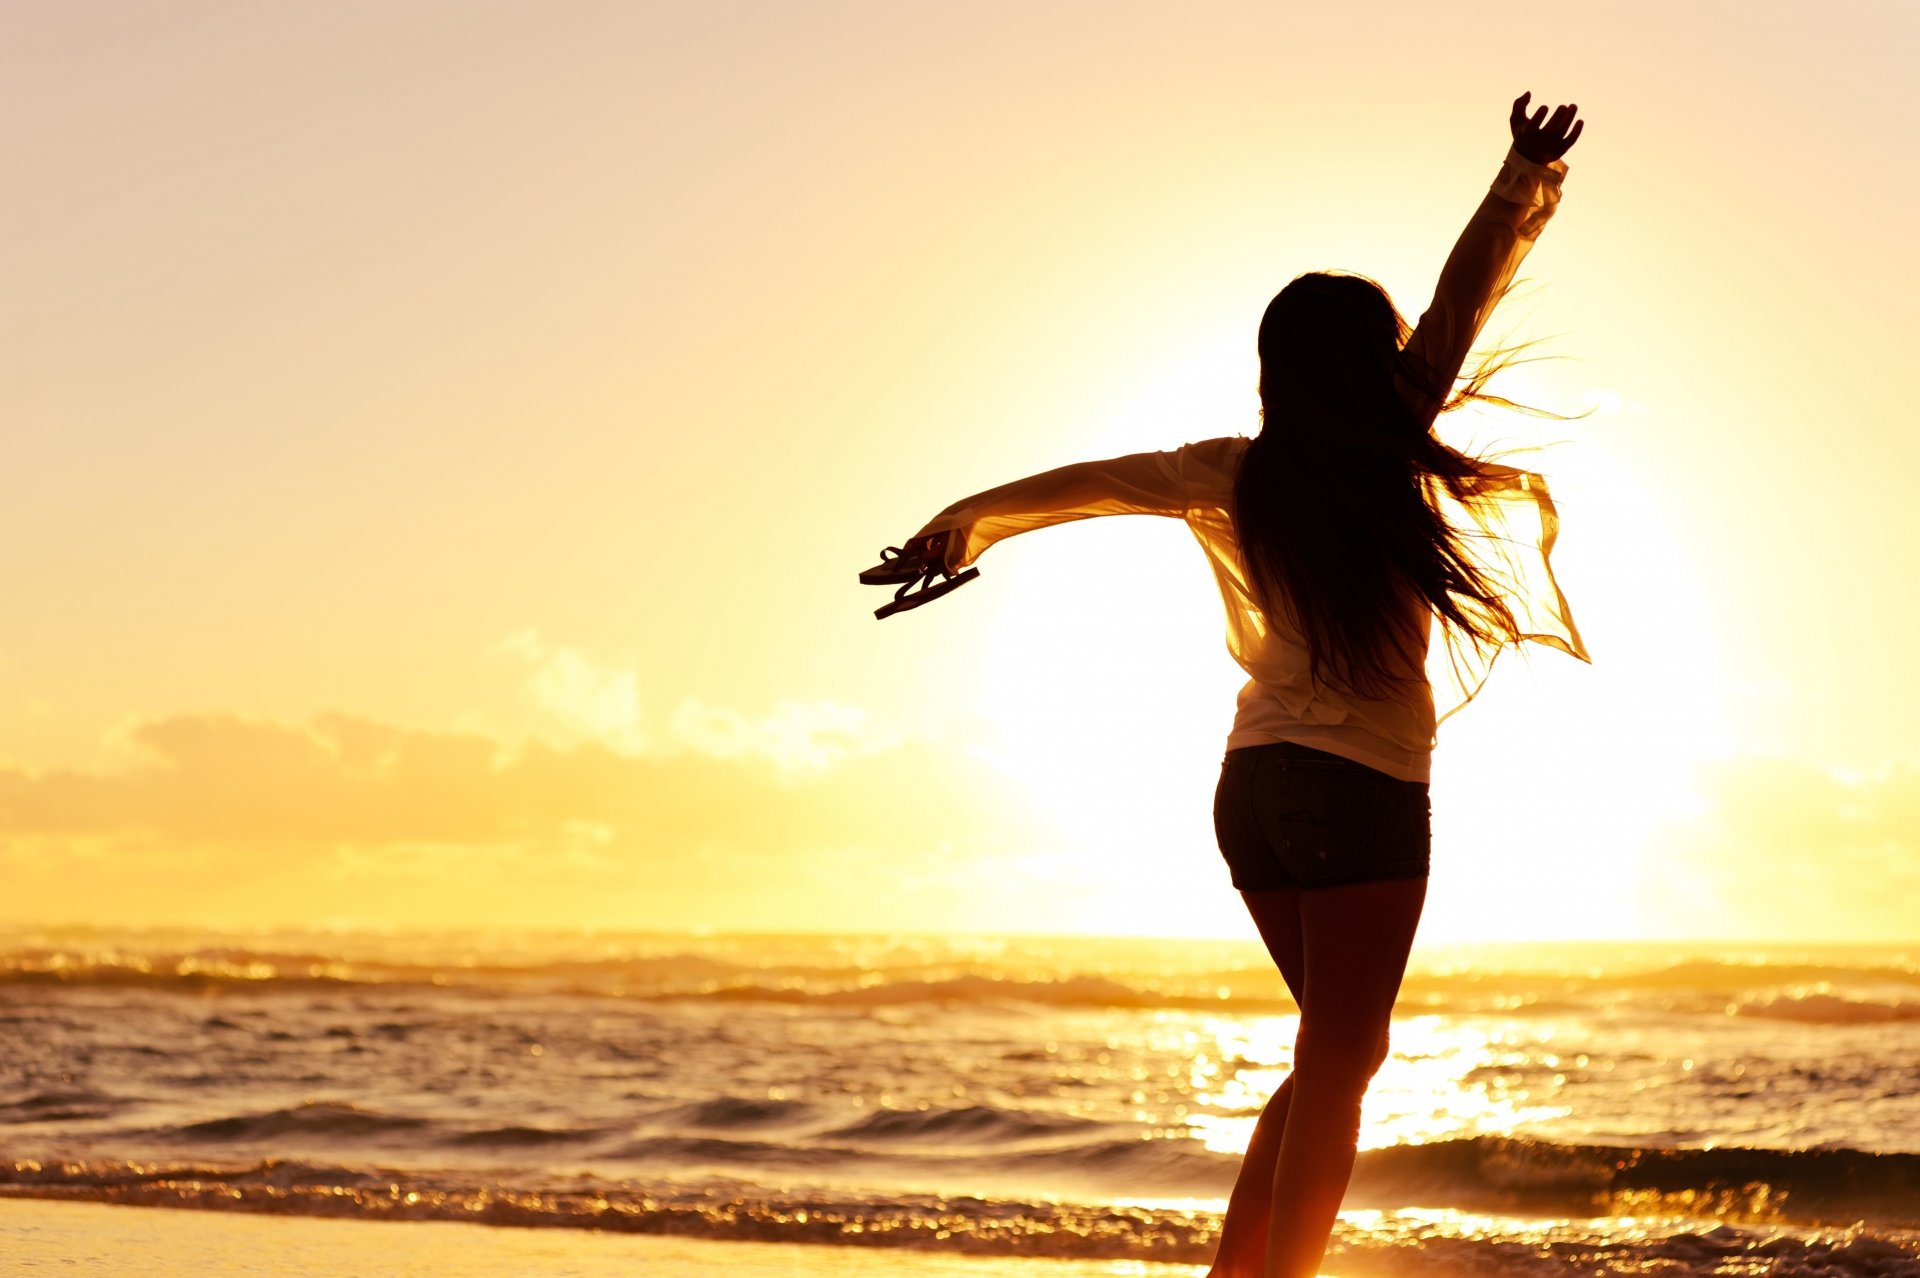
(442, 439)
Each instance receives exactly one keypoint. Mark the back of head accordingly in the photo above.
(1333, 507)
(1328, 342)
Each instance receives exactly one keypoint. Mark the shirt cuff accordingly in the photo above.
(1520, 177)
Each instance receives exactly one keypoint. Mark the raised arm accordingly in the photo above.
(1137, 484)
(1510, 218)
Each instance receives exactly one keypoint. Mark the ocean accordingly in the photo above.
(1546, 1109)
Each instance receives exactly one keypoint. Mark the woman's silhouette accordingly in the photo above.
(1336, 536)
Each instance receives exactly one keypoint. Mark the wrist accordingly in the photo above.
(1544, 169)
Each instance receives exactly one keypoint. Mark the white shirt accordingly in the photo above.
(1511, 537)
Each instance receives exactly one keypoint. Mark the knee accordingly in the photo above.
(1351, 1055)
(1381, 1050)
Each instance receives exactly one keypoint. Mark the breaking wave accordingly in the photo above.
(1487, 1173)
(1755, 1192)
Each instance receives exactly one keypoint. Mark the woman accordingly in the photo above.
(1336, 536)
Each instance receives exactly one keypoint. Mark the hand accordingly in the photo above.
(933, 546)
(1543, 142)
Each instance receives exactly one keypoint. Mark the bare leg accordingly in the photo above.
(1243, 1234)
(1355, 940)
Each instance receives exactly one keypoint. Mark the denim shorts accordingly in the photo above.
(1288, 815)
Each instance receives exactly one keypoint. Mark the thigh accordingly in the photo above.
(1355, 940)
(1276, 912)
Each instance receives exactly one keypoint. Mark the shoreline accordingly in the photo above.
(155, 1240)
(179, 1240)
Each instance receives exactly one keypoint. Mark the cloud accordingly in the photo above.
(796, 737)
(1784, 848)
(598, 701)
(809, 815)
(230, 816)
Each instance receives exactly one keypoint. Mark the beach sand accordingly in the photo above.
(105, 1241)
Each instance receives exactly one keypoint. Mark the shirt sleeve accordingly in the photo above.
(1511, 216)
(1137, 484)
(1509, 526)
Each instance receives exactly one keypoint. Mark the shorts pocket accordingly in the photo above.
(1320, 817)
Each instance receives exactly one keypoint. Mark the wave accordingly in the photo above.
(1829, 1009)
(727, 1210)
(313, 1118)
(1816, 1186)
(734, 1209)
(738, 1130)
(1016, 1151)
(522, 1137)
(1066, 991)
(983, 1123)
(734, 1113)
(61, 1107)
(1177, 1167)
(1801, 990)
(677, 1154)
(843, 989)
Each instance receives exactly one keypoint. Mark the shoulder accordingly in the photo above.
(1207, 469)
(1212, 457)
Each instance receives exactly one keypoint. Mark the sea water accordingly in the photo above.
(1574, 1108)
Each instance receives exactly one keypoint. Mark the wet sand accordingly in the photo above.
(104, 1241)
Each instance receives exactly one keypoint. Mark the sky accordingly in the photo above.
(441, 441)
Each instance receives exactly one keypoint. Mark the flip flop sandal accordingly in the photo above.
(897, 566)
(892, 571)
(902, 600)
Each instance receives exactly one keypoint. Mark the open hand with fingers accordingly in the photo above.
(1543, 138)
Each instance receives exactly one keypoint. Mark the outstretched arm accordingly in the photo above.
(1498, 236)
(1137, 484)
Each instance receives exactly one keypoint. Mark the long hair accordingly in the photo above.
(1336, 503)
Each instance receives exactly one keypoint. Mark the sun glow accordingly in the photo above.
(511, 525)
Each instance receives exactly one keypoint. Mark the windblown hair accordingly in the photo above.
(1336, 503)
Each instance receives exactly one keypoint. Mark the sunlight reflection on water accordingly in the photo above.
(1442, 1079)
